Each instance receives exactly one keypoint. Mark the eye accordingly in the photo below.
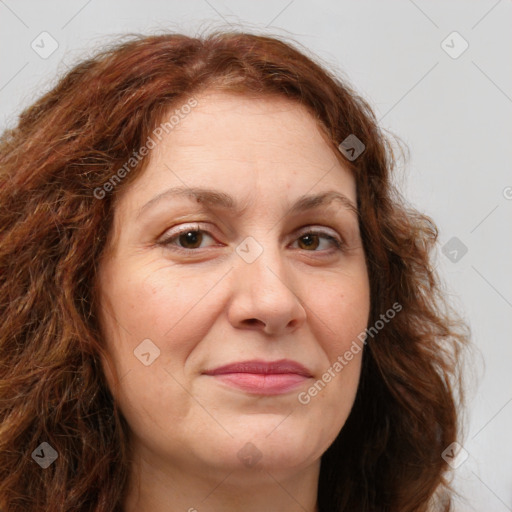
(189, 238)
(311, 240)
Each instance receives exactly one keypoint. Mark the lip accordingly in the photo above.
(262, 377)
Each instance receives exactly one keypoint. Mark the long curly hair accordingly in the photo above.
(55, 219)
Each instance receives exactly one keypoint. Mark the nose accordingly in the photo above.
(264, 296)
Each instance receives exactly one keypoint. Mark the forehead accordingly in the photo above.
(245, 145)
(251, 126)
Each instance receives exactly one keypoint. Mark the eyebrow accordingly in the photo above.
(211, 199)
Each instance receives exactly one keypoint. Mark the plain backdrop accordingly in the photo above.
(438, 75)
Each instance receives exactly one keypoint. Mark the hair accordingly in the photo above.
(54, 229)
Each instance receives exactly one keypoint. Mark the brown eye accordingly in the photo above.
(187, 239)
(310, 241)
(190, 239)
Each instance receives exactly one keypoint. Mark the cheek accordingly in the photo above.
(341, 307)
(152, 322)
(157, 305)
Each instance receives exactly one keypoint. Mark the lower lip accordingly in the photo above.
(263, 384)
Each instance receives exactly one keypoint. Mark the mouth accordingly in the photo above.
(262, 377)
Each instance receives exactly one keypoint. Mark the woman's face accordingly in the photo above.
(240, 264)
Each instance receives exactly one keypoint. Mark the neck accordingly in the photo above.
(158, 487)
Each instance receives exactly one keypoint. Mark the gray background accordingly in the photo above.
(454, 114)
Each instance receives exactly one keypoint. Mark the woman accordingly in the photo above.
(212, 296)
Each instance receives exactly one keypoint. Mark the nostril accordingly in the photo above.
(253, 321)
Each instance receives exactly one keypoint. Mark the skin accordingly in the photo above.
(207, 306)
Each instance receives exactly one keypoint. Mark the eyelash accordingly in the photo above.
(168, 240)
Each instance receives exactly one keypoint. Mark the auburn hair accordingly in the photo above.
(54, 229)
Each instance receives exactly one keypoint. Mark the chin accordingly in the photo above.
(266, 446)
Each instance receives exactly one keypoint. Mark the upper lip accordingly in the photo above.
(262, 367)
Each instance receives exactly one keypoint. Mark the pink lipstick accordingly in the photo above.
(262, 377)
